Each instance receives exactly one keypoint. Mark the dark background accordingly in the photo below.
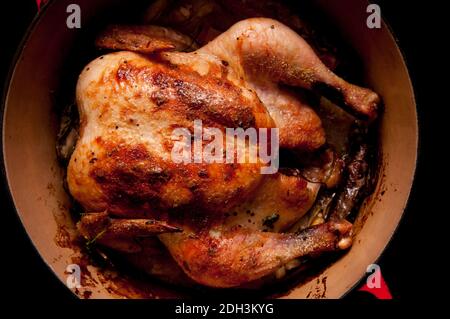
(24, 275)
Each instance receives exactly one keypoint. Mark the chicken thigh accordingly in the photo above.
(212, 217)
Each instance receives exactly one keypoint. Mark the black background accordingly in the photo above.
(25, 276)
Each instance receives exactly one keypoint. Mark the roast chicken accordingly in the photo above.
(224, 224)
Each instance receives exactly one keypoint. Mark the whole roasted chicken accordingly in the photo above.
(224, 224)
